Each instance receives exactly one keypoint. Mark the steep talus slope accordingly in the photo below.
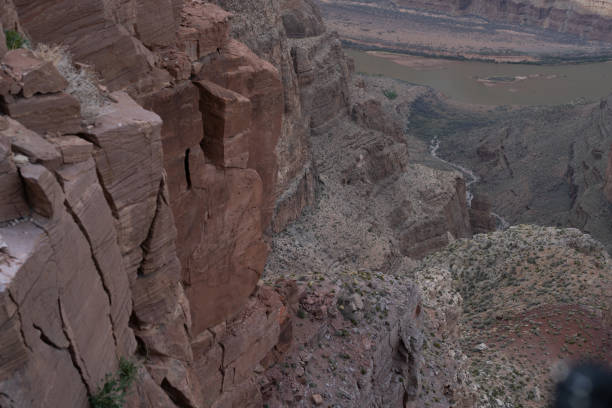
(380, 207)
(530, 299)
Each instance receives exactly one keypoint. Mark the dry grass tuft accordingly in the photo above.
(82, 81)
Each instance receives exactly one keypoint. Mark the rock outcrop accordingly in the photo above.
(497, 31)
(292, 36)
(139, 203)
(156, 209)
(583, 18)
(557, 178)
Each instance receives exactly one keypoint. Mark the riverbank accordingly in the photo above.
(482, 56)
(492, 84)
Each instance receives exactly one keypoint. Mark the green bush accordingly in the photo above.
(389, 93)
(113, 392)
(14, 40)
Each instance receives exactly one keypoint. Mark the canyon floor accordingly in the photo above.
(384, 26)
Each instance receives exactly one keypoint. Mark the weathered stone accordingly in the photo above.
(12, 200)
(607, 191)
(177, 63)
(129, 165)
(204, 30)
(181, 131)
(301, 19)
(224, 260)
(147, 394)
(3, 48)
(208, 370)
(226, 126)
(298, 195)
(156, 26)
(14, 350)
(241, 71)
(178, 381)
(370, 114)
(8, 85)
(34, 74)
(251, 337)
(326, 95)
(158, 282)
(481, 219)
(56, 321)
(43, 193)
(87, 204)
(94, 35)
(73, 149)
(54, 113)
(245, 394)
(30, 144)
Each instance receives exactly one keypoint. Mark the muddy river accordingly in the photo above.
(490, 83)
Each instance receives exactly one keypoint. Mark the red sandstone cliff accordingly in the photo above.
(136, 226)
(145, 225)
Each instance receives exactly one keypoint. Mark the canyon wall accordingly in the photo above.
(589, 19)
(142, 184)
(134, 227)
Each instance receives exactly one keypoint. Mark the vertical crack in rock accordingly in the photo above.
(222, 365)
(77, 361)
(149, 237)
(105, 286)
(18, 312)
(45, 339)
(187, 171)
(107, 195)
(175, 395)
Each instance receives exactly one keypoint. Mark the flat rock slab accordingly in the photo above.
(34, 74)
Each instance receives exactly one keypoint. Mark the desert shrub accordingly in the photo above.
(390, 93)
(14, 40)
(82, 81)
(112, 393)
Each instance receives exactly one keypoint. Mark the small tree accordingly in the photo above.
(113, 392)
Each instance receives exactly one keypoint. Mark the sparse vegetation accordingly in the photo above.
(390, 94)
(82, 81)
(112, 393)
(14, 40)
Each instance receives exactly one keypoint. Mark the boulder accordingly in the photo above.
(32, 145)
(53, 113)
(35, 75)
(73, 149)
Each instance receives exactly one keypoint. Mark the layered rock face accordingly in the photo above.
(136, 209)
(545, 165)
(584, 18)
(154, 208)
(291, 35)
